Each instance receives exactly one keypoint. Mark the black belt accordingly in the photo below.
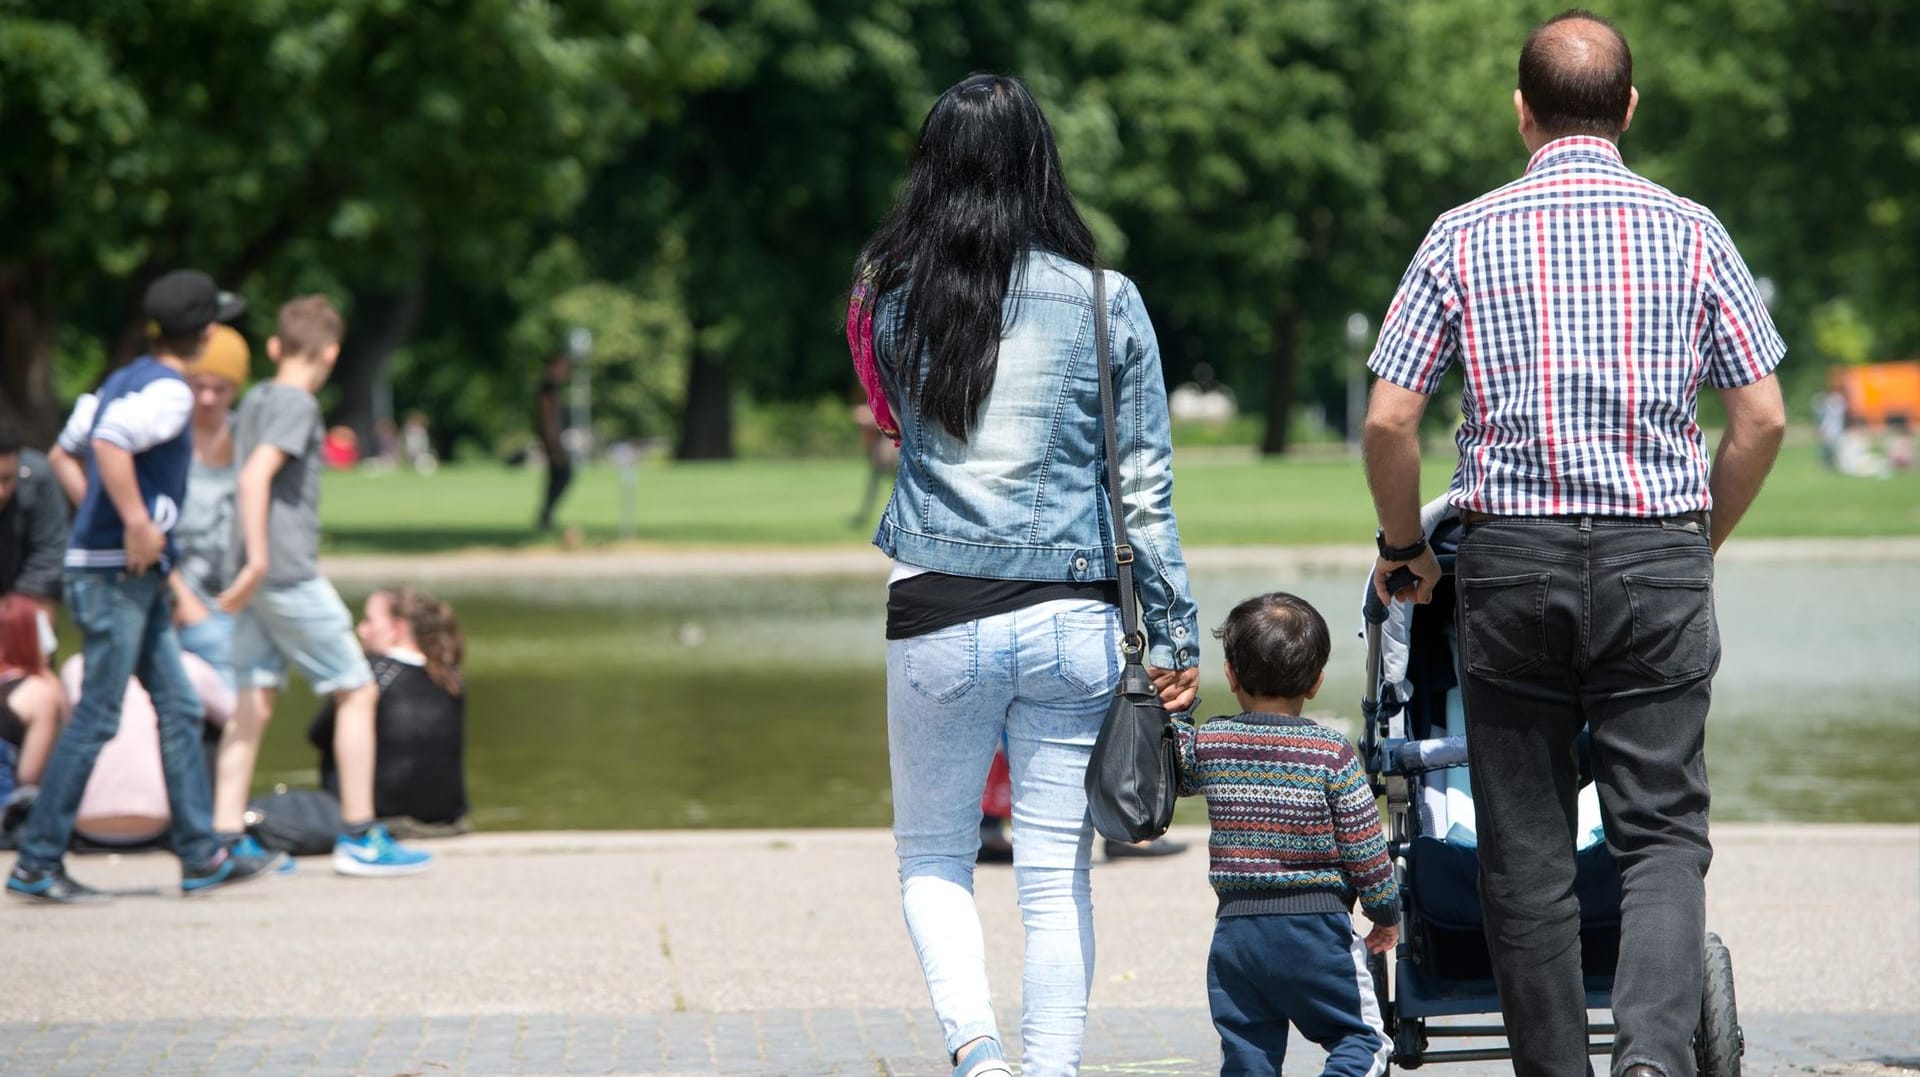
(1471, 518)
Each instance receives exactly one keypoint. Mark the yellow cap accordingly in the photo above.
(225, 356)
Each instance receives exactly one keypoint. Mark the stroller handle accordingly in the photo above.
(1398, 580)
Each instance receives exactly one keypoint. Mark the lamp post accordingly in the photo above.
(1358, 331)
(580, 350)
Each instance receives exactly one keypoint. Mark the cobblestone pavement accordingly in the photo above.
(826, 1041)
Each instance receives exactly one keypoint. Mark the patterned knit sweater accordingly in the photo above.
(1295, 827)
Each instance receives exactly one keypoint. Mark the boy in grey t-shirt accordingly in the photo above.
(284, 609)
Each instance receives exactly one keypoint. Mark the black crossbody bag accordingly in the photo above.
(1131, 779)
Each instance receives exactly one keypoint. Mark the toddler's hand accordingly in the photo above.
(1382, 939)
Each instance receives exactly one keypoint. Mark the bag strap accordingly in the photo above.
(1133, 644)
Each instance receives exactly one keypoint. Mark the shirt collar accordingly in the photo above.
(1575, 146)
(405, 654)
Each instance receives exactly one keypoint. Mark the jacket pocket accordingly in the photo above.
(1504, 621)
(943, 665)
(1674, 635)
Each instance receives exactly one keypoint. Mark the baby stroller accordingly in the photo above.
(1414, 748)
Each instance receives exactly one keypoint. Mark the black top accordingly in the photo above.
(33, 531)
(932, 601)
(419, 762)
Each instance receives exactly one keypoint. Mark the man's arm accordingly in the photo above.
(69, 455)
(1756, 421)
(252, 493)
(144, 541)
(1390, 444)
(70, 472)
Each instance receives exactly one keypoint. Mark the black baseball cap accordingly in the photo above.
(187, 301)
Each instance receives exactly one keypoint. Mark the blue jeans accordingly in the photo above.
(126, 626)
(212, 640)
(1305, 969)
(1042, 677)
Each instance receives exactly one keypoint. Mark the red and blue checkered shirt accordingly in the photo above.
(1587, 306)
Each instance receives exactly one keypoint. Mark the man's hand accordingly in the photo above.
(1426, 570)
(245, 583)
(1382, 939)
(1177, 687)
(144, 544)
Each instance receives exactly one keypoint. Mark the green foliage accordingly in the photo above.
(691, 178)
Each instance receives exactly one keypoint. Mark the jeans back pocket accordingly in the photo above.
(1088, 649)
(943, 665)
(1674, 635)
(1503, 623)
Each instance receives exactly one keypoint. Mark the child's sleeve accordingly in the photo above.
(1187, 738)
(288, 421)
(1363, 845)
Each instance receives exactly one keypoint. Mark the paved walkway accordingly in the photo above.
(783, 953)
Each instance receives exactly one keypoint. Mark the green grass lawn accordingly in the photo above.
(1223, 497)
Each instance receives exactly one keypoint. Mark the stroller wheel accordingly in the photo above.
(1718, 1043)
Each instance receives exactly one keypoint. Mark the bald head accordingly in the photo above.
(1576, 76)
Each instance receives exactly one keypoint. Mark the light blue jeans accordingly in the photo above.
(211, 640)
(1043, 677)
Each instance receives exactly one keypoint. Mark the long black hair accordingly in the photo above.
(984, 186)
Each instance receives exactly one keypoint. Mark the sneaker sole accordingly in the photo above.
(230, 880)
(347, 865)
(47, 899)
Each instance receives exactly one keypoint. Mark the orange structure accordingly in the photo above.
(1877, 391)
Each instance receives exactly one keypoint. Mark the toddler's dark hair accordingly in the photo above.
(1276, 643)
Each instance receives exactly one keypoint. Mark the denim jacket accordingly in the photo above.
(1024, 497)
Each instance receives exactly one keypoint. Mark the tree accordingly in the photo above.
(291, 144)
(1249, 184)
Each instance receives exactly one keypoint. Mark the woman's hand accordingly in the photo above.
(1177, 687)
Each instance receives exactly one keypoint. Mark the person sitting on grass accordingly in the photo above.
(1296, 834)
(420, 725)
(31, 703)
(125, 803)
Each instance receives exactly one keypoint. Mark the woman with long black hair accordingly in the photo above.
(972, 322)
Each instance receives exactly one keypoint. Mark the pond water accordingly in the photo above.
(759, 702)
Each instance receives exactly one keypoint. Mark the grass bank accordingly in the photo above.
(1222, 496)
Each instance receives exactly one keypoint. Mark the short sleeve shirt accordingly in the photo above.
(288, 419)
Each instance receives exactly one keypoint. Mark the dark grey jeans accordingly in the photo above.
(1606, 624)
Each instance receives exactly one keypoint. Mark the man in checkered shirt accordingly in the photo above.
(1585, 306)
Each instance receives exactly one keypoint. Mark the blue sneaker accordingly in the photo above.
(279, 863)
(377, 855)
(52, 884)
(227, 866)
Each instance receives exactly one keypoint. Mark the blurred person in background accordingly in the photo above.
(205, 531)
(125, 804)
(420, 726)
(33, 524)
(32, 704)
(549, 424)
(285, 611)
(133, 434)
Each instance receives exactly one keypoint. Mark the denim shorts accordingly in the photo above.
(303, 623)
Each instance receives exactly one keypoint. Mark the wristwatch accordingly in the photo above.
(1398, 553)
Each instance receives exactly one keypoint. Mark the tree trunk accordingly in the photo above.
(1282, 382)
(706, 425)
(132, 341)
(383, 320)
(27, 406)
